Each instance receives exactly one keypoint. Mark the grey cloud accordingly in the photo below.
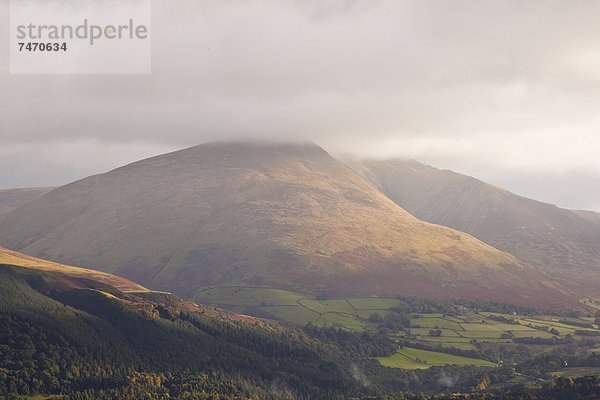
(486, 86)
(577, 189)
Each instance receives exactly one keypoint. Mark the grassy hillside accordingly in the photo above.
(10, 257)
(281, 216)
(564, 244)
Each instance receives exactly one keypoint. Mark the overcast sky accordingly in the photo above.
(507, 91)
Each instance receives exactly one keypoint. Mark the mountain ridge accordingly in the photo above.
(563, 243)
(277, 215)
(591, 216)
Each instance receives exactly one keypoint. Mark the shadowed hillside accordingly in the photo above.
(589, 215)
(563, 243)
(14, 198)
(287, 216)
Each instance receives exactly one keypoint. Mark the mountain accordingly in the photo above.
(69, 336)
(278, 215)
(563, 243)
(14, 198)
(589, 215)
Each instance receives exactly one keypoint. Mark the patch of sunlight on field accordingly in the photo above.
(341, 320)
(409, 358)
(447, 339)
(562, 328)
(531, 333)
(373, 303)
(367, 313)
(425, 332)
(297, 314)
(456, 345)
(435, 322)
(324, 306)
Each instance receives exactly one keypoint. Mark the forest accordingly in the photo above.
(78, 343)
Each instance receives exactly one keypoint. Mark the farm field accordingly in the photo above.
(441, 342)
(294, 313)
(435, 322)
(373, 303)
(444, 332)
(467, 331)
(298, 308)
(365, 314)
(409, 358)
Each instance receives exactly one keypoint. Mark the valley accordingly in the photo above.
(246, 270)
(440, 338)
(300, 200)
(387, 339)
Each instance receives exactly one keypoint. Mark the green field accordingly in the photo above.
(468, 331)
(365, 314)
(562, 328)
(435, 322)
(324, 306)
(445, 332)
(373, 303)
(344, 320)
(450, 344)
(295, 314)
(298, 308)
(531, 333)
(409, 358)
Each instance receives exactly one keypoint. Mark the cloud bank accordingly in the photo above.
(507, 91)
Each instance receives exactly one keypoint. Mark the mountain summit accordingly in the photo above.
(277, 215)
